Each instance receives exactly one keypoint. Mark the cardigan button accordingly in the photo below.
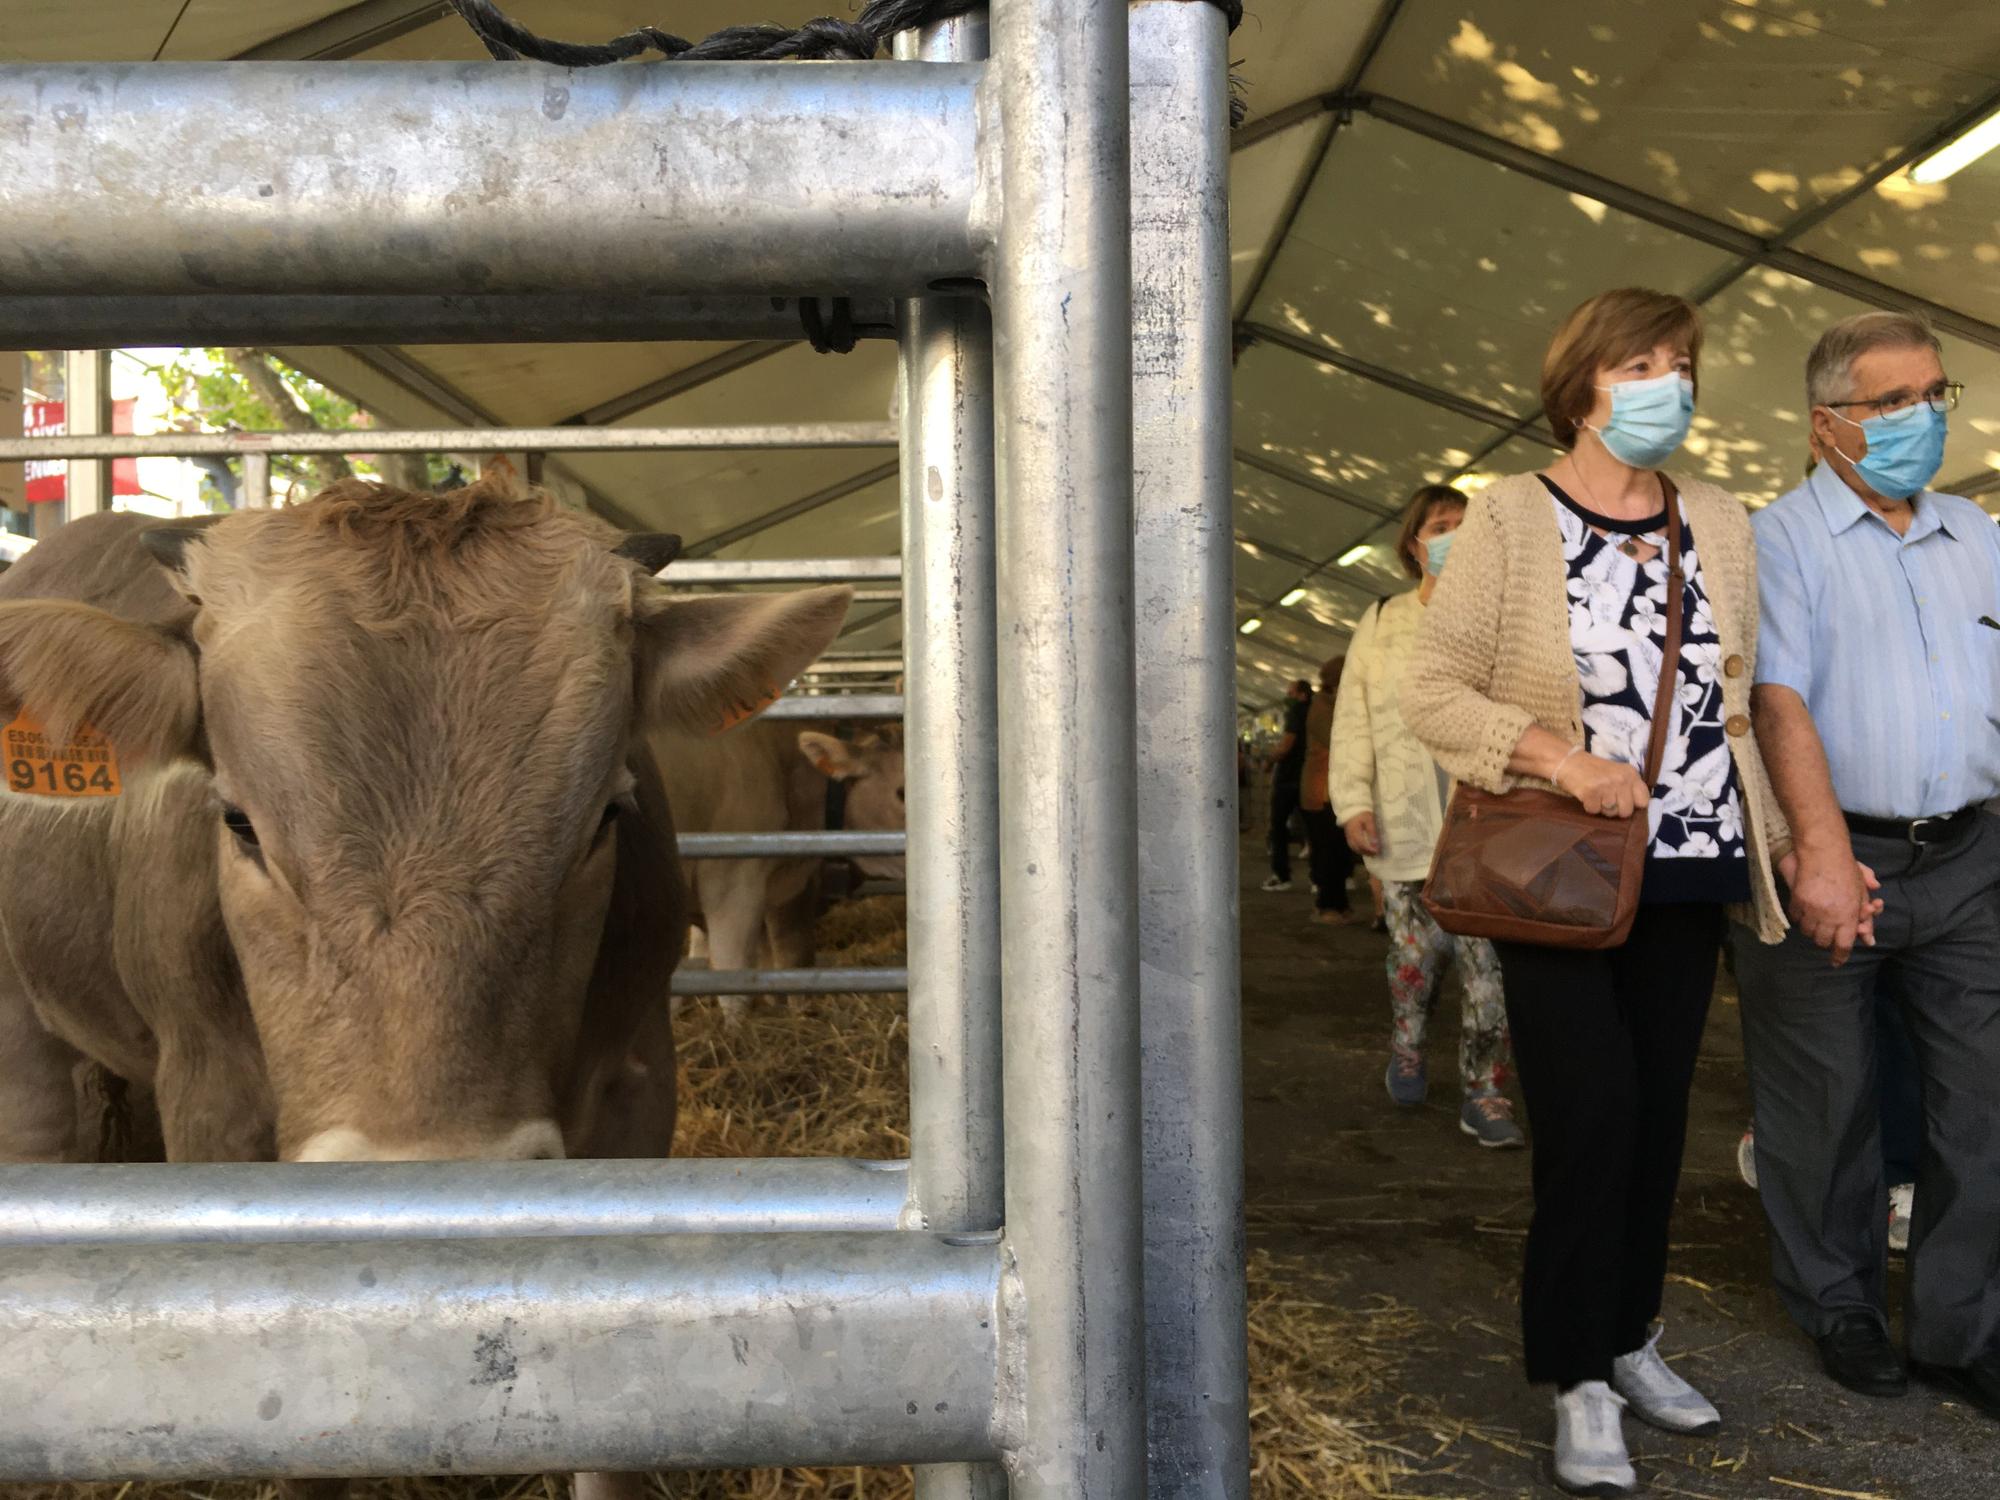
(1737, 726)
(1733, 667)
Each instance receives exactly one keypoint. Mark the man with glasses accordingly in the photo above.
(1877, 703)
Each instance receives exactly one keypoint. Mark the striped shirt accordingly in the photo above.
(1882, 636)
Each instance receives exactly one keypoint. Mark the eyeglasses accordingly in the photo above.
(1940, 398)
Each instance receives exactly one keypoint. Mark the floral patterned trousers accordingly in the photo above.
(1418, 952)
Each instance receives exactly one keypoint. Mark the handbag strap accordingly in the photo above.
(1670, 657)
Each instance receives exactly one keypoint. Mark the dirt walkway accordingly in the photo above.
(1408, 1212)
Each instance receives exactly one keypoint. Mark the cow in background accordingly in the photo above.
(767, 777)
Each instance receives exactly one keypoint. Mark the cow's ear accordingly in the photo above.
(707, 664)
(832, 757)
(69, 665)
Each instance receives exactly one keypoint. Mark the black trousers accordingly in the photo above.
(1332, 860)
(1284, 802)
(1605, 1044)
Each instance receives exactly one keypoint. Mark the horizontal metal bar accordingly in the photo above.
(88, 322)
(444, 178)
(785, 570)
(838, 706)
(263, 1202)
(838, 844)
(867, 666)
(511, 1356)
(459, 440)
(791, 981)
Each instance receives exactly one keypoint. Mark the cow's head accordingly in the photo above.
(872, 767)
(415, 712)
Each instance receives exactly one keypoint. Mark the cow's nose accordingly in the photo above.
(532, 1140)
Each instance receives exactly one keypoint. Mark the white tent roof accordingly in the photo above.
(1421, 189)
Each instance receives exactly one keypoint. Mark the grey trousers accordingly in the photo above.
(1809, 1033)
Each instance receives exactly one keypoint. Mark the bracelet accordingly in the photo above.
(1555, 776)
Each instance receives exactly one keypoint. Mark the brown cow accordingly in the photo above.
(388, 875)
(768, 777)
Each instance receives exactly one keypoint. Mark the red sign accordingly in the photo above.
(45, 476)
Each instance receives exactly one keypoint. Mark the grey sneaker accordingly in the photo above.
(1653, 1390)
(1407, 1078)
(1272, 883)
(1489, 1120)
(1590, 1442)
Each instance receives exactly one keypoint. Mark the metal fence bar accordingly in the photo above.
(953, 870)
(841, 177)
(495, 1356)
(263, 1202)
(705, 571)
(221, 318)
(87, 412)
(858, 666)
(459, 440)
(1068, 863)
(791, 981)
(1196, 1357)
(838, 706)
(839, 844)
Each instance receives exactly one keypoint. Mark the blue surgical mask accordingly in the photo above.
(1649, 419)
(1905, 449)
(1435, 551)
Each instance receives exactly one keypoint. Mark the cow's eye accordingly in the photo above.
(238, 822)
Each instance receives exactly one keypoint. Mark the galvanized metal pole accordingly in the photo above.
(86, 413)
(256, 480)
(438, 178)
(1068, 861)
(953, 812)
(1184, 594)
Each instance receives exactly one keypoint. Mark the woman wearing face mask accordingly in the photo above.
(1389, 796)
(1539, 664)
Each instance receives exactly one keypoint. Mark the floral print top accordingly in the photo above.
(1617, 630)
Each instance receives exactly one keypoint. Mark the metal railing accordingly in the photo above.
(368, 1321)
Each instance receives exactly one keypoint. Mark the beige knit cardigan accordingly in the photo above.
(1493, 653)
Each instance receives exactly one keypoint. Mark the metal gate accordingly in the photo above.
(1047, 1299)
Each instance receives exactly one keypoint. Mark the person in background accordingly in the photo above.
(1332, 860)
(1878, 693)
(1288, 763)
(1537, 664)
(1389, 796)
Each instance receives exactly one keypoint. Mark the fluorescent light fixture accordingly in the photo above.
(1293, 597)
(1961, 152)
(1352, 555)
(1250, 626)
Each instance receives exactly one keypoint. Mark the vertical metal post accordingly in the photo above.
(86, 409)
(1068, 858)
(1196, 1356)
(953, 813)
(256, 480)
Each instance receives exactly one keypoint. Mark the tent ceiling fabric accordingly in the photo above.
(1392, 251)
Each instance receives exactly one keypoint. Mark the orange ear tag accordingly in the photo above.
(84, 765)
(745, 711)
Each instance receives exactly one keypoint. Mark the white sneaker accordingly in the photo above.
(1659, 1395)
(1746, 1157)
(1590, 1442)
(1902, 1203)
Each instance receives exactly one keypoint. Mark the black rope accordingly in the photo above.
(824, 39)
(833, 331)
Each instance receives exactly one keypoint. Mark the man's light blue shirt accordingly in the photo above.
(1882, 636)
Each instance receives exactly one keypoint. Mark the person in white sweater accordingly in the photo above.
(1389, 796)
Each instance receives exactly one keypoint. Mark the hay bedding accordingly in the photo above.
(829, 1077)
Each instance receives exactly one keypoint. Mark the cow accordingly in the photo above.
(375, 865)
(766, 777)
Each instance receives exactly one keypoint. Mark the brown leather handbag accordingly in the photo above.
(1531, 866)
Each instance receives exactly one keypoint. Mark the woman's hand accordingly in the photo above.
(1607, 787)
(1363, 837)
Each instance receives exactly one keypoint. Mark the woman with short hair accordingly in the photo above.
(1389, 796)
(1538, 664)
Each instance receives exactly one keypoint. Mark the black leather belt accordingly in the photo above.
(1919, 831)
